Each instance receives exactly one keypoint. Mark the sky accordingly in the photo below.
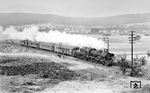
(77, 8)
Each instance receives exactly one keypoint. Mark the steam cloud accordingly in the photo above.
(54, 36)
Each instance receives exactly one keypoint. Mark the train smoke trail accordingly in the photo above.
(28, 33)
(75, 40)
(55, 37)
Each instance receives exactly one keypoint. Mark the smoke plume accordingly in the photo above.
(55, 37)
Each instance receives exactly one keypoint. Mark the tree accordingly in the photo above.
(137, 37)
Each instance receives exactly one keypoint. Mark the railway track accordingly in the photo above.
(59, 54)
(44, 51)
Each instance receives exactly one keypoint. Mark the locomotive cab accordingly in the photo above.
(24, 42)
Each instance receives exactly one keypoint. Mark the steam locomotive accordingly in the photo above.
(85, 53)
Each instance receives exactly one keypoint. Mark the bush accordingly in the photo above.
(24, 65)
(138, 66)
(137, 72)
(124, 64)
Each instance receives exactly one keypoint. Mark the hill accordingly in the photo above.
(31, 18)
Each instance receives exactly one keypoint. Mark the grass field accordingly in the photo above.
(35, 71)
(120, 44)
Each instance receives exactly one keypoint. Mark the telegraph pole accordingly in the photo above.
(131, 41)
(132, 47)
(106, 40)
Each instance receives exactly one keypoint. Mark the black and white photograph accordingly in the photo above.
(74, 46)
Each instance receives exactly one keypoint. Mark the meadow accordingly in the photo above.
(121, 45)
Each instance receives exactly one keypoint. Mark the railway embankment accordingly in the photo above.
(26, 70)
